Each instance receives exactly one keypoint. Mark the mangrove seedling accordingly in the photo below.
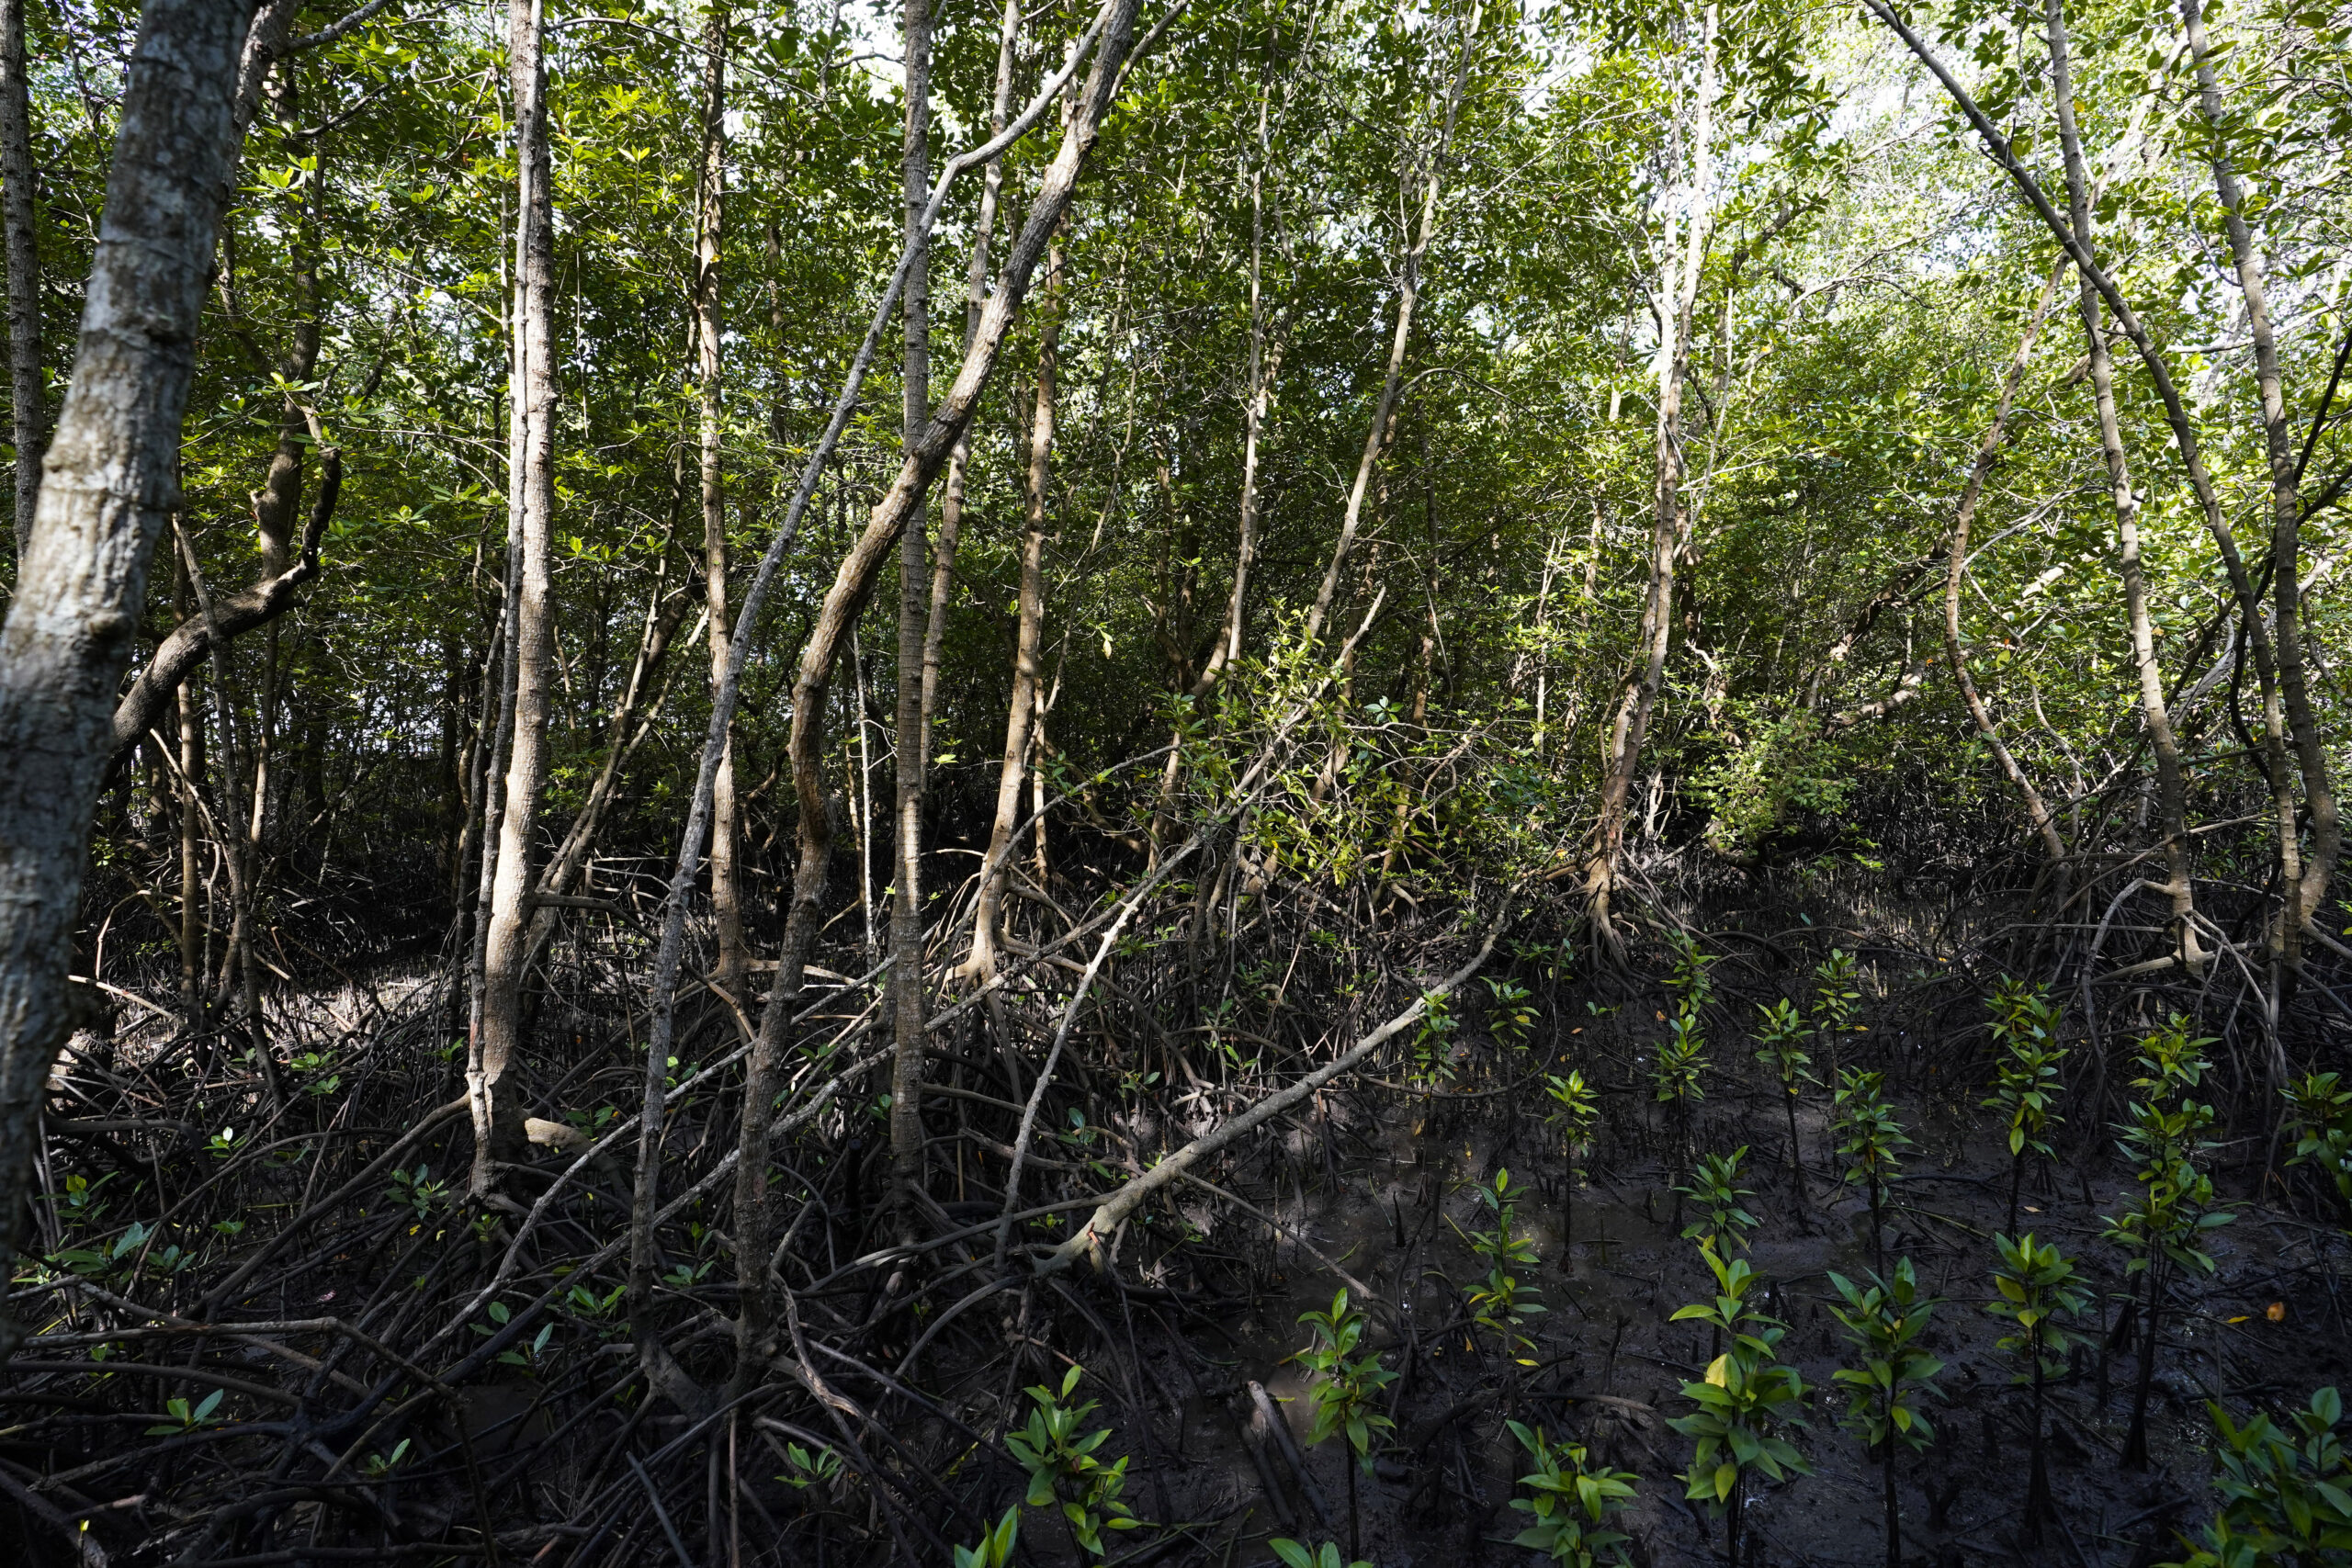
(1512, 1017)
(1293, 1555)
(2286, 1495)
(1746, 1396)
(1344, 1389)
(2173, 1205)
(1576, 1111)
(2038, 1286)
(1572, 1502)
(995, 1549)
(1723, 1226)
(1062, 1467)
(2320, 1113)
(1882, 1323)
(1500, 1305)
(1676, 1069)
(1872, 1141)
(1780, 1035)
(1688, 979)
(1836, 997)
(2025, 1084)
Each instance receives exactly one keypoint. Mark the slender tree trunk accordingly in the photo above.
(28, 401)
(2044, 825)
(498, 1126)
(2135, 1436)
(1265, 366)
(191, 894)
(1676, 300)
(2171, 791)
(975, 293)
(1408, 293)
(726, 890)
(1020, 738)
(906, 989)
(109, 478)
(2286, 519)
(853, 583)
(1894, 1510)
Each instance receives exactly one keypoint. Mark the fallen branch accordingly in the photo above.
(1120, 1206)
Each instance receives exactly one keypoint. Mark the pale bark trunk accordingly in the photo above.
(2037, 810)
(27, 402)
(726, 890)
(1678, 300)
(108, 481)
(2311, 757)
(976, 292)
(907, 991)
(1408, 290)
(852, 585)
(1264, 366)
(2171, 791)
(1020, 724)
(2311, 878)
(531, 474)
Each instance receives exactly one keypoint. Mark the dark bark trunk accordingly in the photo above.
(28, 403)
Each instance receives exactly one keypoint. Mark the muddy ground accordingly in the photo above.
(1383, 1190)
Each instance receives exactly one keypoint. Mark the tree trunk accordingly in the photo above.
(2171, 793)
(2285, 518)
(906, 991)
(1264, 366)
(28, 402)
(2037, 809)
(726, 892)
(1409, 292)
(975, 293)
(498, 1126)
(851, 585)
(1678, 298)
(109, 478)
(1020, 739)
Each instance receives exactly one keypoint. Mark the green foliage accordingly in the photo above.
(2162, 1136)
(1689, 979)
(1572, 1501)
(995, 1549)
(815, 1469)
(1295, 1555)
(1063, 1468)
(2321, 1113)
(1501, 1304)
(1576, 1111)
(2286, 1494)
(1513, 1014)
(1774, 763)
(1882, 1323)
(1433, 1041)
(2024, 1091)
(1836, 996)
(1869, 1136)
(1346, 1385)
(1781, 1034)
(183, 1418)
(1679, 1061)
(2038, 1286)
(1746, 1397)
(1723, 1226)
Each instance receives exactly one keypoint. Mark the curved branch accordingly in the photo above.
(190, 642)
